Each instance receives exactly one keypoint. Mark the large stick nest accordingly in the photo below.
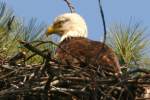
(55, 81)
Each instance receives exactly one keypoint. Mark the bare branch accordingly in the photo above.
(70, 5)
(103, 20)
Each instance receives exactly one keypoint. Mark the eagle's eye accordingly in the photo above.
(60, 23)
(63, 21)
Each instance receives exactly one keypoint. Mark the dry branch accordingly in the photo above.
(70, 5)
(103, 20)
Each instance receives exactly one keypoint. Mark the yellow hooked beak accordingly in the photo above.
(50, 31)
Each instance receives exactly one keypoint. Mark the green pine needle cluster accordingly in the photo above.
(19, 30)
(129, 42)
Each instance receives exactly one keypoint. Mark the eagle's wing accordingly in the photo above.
(75, 49)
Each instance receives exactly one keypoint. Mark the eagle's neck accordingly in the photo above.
(71, 34)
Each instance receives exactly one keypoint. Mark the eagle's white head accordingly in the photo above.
(68, 25)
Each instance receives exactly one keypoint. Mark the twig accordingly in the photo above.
(71, 7)
(104, 27)
(66, 90)
(20, 55)
(103, 20)
(8, 74)
(111, 90)
(33, 49)
(34, 54)
(135, 70)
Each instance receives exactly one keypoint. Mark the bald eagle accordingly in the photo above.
(72, 29)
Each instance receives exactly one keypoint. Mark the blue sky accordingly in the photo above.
(116, 11)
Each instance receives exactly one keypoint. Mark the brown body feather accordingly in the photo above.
(88, 51)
